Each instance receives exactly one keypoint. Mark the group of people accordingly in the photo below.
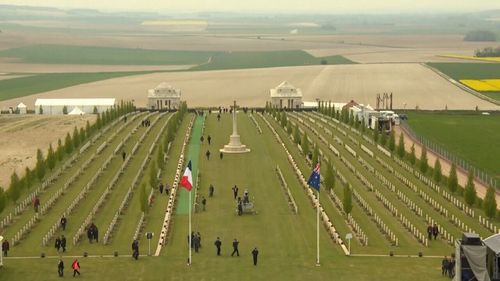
(195, 240)
(432, 231)
(93, 233)
(60, 244)
(240, 203)
(448, 266)
(75, 266)
(236, 243)
(165, 187)
(209, 139)
(145, 123)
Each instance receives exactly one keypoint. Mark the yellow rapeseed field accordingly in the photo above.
(486, 85)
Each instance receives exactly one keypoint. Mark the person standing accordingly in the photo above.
(5, 247)
(211, 190)
(429, 232)
(60, 268)
(235, 191)
(218, 244)
(36, 203)
(199, 238)
(209, 139)
(208, 154)
(63, 222)
(167, 189)
(202, 139)
(255, 254)
(76, 267)
(96, 234)
(135, 249)
(161, 188)
(235, 247)
(204, 202)
(196, 242)
(435, 231)
(63, 243)
(221, 155)
(58, 244)
(444, 266)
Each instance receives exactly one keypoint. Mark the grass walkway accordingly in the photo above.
(193, 155)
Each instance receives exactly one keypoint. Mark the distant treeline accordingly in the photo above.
(488, 52)
(480, 35)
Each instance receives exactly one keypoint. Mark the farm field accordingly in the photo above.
(472, 144)
(251, 86)
(23, 135)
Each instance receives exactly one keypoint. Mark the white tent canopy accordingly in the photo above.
(21, 105)
(60, 106)
(76, 111)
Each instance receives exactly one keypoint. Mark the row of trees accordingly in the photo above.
(488, 52)
(49, 162)
(159, 161)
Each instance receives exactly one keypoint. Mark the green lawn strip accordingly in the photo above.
(28, 213)
(452, 209)
(459, 71)
(493, 95)
(129, 219)
(33, 241)
(469, 144)
(174, 267)
(281, 236)
(444, 222)
(380, 243)
(416, 220)
(107, 211)
(193, 151)
(44, 82)
(66, 54)
(239, 60)
(156, 214)
(295, 186)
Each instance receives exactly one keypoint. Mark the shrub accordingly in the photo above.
(424, 166)
(438, 174)
(490, 203)
(452, 179)
(40, 165)
(470, 190)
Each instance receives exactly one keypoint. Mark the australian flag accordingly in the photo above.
(314, 178)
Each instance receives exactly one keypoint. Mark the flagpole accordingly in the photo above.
(317, 231)
(189, 234)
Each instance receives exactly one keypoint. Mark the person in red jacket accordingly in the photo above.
(76, 267)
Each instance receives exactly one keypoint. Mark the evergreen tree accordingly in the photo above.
(95, 111)
(470, 190)
(152, 174)
(40, 110)
(383, 138)
(3, 199)
(363, 125)
(392, 141)
(412, 158)
(98, 121)
(329, 177)
(289, 129)
(15, 187)
(65, 110)
(490, 203)
(305, 144)
(76, 138)
(60, 150)
(68, 144)
(401, 146)
(296, 134)
(452, 179)
(347, 202)
(356, 122)
(315, 156)
(28, 177)
(82, 135)
(51, 158)
(424, 166)
(438, 174)
(40, 165)
(143, 197)
(88, 129)
(376, 133)
(159, 157)
(283, 119)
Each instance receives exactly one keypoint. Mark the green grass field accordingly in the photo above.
(62, 54)
(469, 135)
(38, 83)
(237, 60)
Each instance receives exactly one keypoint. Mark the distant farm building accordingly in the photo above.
(164, 96)
(21, 108)
(59, 106)
(286, 96)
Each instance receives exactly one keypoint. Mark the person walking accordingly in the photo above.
(5, 247)
(209, 139)
(208, 154)
(255, 254)
(135, 249)
(444, 266)
(63, 222)
(76, 267)
(204, 202)
(63, 243)
(235, 247)
(235, 191)
(211, 190)
(429, 232)
(218, 244)
(60, 268)
(435, 231)
(58, 244)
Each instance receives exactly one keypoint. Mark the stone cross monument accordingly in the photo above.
(235, 145)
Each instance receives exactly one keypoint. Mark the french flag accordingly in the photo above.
(187, 178)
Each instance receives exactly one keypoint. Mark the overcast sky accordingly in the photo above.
(273, 6)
